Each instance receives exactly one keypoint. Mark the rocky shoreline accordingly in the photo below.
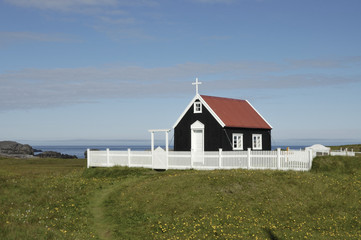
(18, 150)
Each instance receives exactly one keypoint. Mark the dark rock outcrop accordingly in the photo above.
(52, 154)
(14, 148)
(18, 150)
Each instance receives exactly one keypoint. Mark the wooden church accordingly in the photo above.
(210, 123)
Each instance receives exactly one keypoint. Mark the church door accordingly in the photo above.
(197, 141)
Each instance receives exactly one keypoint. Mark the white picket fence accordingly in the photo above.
(298, 160)
(343, 152)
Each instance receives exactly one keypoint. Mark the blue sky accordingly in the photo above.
(112, 69)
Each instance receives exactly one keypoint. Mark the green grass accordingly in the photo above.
(44, 199)
(238, 204)
(61, 199)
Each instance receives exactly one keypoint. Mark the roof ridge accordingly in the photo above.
(238, 99)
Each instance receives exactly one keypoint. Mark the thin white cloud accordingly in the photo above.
(11, 37)
(325, 63)
(118, 21)
(214, 1)
(216, 38)
(37, 88)
(75, 5)
(123, 32)
(63, 5)
(283, 82)
(115, 18)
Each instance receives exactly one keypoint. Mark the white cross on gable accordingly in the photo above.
(197, 83)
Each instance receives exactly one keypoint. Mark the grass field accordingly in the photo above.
(61, 199)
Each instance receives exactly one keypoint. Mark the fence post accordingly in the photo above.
(88, 158)
(167, 148)
(192, 157)
(128, 157)
(278, 158)
(108, 157)
(310, 158)
(220, 157)
(248, 158)
(152, 146)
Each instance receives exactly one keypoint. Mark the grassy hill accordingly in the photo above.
(60, 199)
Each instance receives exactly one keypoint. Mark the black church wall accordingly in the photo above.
(247, 138)
(215, 136)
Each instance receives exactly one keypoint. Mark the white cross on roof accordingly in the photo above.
(197, 83)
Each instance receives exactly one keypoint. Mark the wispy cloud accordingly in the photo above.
(282, 82)
(214, 1)
(87, 7)
(216, 38)
(11, 37)
(123, 32)
(37, 88)
(325, 63)
(75, 5)
(116, 18)
(118, 21)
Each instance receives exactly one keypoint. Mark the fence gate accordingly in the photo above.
(159, 156)
(160, 159)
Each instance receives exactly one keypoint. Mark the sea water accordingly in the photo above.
(79, 150)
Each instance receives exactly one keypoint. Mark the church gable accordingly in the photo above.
(193, 107)
(191, 120)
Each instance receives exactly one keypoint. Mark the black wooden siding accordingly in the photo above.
(215, 136)
(247, 137)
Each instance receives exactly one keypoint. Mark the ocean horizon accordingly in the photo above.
(81, 149)
(78, 147)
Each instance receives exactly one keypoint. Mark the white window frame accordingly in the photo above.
(197, 107)
(236, 138)
(255, 144)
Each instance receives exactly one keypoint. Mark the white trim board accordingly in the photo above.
(204, 103)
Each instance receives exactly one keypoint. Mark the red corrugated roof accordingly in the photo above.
(236, 113)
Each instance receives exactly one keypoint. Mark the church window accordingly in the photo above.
(197, 107)
(257, 141)
(237, 141)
